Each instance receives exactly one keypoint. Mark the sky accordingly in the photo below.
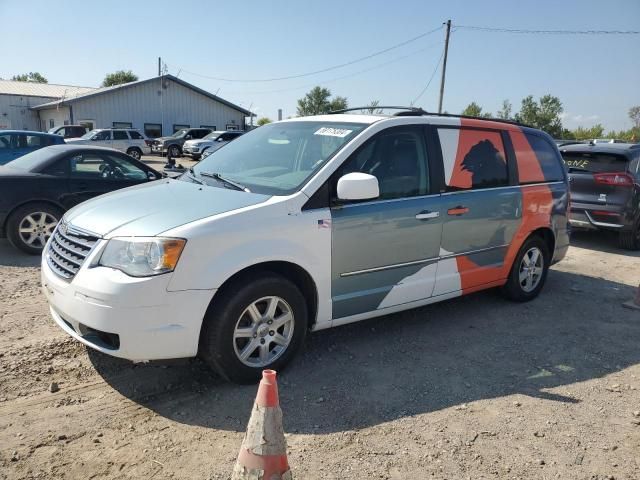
(597, 77)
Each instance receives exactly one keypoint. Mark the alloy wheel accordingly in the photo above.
(36, 228)
(531, 269)
(263, 332)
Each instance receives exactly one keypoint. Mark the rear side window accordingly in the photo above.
(473, 159)
(120, 135)
(547, 158)
(595, 162)
(135, 135)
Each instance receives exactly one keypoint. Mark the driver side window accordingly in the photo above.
(397, 157)
(88, 165)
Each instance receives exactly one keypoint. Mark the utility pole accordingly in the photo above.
(159, 66)
(444, 65)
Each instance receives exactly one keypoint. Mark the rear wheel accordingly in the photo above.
(253, 324)
(529, 271)
(630, 240)
(30, 226)
(135, 153)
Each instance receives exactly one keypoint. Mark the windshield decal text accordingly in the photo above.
(333, 132)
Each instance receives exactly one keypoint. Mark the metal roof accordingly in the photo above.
(103, 90)
(32, 89)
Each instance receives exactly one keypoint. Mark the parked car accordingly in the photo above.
(210, 143)
(605, 189)
(172, 145)
(127, 140)
(307, 224)
(39, 187)
(15, 143)
(69, 131)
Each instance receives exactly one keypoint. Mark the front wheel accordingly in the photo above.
(253, 325)
(529, 271)
(30, 226)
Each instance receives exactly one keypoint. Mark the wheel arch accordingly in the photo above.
(546, 233)
(299, 276)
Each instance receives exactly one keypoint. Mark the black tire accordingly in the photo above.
(630, 240)
(513, 289)
(174, 151)
(20, 219)
(135, 153)
(217, 343)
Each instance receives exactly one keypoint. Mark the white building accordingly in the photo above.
(158, 106)
(18, 98)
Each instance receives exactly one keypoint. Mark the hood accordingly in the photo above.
(152, 208)
(164, 139)
(76, 140)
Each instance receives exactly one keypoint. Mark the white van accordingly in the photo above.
(307, 224)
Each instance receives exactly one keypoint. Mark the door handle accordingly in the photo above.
(459, 210)
(427, 214)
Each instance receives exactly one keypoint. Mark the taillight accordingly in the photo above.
(620, 179)
(148, 142)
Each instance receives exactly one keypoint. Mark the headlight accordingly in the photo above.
(142, 256)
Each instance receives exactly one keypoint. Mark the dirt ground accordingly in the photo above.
(471, 388)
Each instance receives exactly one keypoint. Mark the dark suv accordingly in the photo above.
(605, 188)
(172, 145)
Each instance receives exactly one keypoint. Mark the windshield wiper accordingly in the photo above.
(193, 176)
(226, 181)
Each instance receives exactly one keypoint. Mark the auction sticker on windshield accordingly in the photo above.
(333, 132)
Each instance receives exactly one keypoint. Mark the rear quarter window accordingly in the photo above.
(547, 157)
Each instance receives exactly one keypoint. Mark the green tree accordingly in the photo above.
(263, 121)
(34, 77)
(544, 114)
(505, 112)
(372, 108)
(634, 115)
(118, 78)
(475, 110)
(319, 101)
(582, 133)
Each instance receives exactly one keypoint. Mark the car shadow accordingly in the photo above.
(600, 240)
(447, 354)
(12, 257)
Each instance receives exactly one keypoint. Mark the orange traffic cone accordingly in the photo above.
(263, 455)
(635, 303)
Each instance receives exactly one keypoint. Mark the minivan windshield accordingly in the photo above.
(277, 159)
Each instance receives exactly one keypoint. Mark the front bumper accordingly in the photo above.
(132, 318)
(158, 149)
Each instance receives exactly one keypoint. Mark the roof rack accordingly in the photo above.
(417, 112)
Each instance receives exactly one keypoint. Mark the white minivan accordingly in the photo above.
(306, 224)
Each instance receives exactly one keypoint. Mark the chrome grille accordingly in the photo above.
(68, 250)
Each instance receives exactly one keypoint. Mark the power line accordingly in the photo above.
(315, 72)
(549, 32)
(335, 79)
(430, 79)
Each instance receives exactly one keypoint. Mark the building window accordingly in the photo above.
(153, 130)
(212, 127)
(232, 126)
(51, 123)
(177, 126)
(122, 125)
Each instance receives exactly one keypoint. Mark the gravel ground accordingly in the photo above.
(472, 388)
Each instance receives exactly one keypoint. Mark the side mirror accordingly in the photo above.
(152, 176)
(94, 139)
(358, 186)
(188, 137)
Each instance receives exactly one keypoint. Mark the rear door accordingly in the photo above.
(480, 205)
(593, 187)
(384, 251)
(120, 140)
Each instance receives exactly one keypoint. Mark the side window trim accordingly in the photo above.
(512, 161)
